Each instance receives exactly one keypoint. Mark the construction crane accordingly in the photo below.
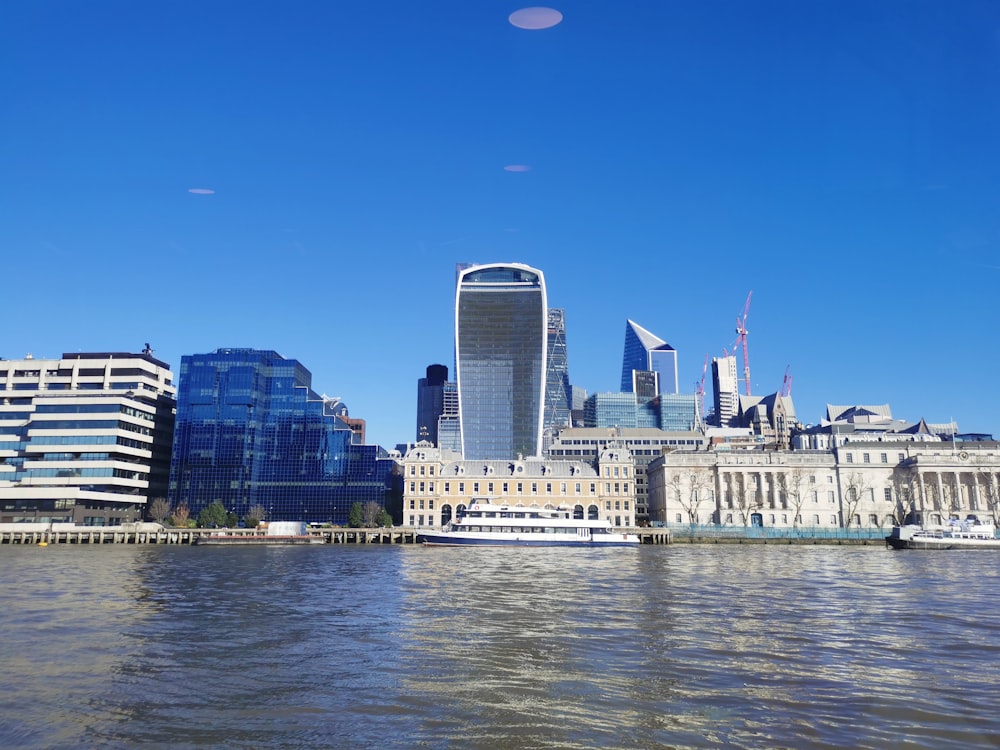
(699, 387)
(786, 384)
(741, 333)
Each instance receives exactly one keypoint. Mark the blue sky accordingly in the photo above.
(838, 158)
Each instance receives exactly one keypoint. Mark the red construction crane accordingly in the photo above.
(786, 385)
(741, 332)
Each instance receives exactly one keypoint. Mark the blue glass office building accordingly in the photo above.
(251, 431)
(646, 352)
(501, 338)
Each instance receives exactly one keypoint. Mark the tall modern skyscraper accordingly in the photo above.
(250, 431)
(430, 402)
(557, 389)
(727, 390)
(84, 439)
(501, 346)
(645, 352)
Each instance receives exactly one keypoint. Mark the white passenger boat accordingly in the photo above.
(968, 534)
(495, 524)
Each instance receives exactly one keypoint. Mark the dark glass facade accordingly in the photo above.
(251, 431)
(500, 341)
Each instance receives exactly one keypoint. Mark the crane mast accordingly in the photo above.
(741, 333)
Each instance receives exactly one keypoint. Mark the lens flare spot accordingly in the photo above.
(201, 191)
(517, 168)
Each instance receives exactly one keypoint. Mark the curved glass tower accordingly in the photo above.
(501, 338)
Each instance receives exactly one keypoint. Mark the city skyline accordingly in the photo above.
(305, 181)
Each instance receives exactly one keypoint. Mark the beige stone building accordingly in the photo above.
(438, 484)
(855, 485)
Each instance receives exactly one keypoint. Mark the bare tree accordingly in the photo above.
(906, 491)
(255, 515)
(371, 512)
(790, 486)
(158, 509)
(181, 515)
(747, 500)
(990, 484)
(691, 492)
(855, 487)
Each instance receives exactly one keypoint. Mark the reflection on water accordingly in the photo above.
(321, 646)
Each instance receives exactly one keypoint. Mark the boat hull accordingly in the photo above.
(453, 539)
(941, 543)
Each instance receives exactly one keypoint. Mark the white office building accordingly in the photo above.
(85, 438)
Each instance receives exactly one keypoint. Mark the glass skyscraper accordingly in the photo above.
(251, 431)
(501, 341)
(557, 390)
(645, 352)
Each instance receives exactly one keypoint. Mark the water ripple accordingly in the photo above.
(373, 647)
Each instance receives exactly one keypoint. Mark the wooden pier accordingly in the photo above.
(139, 535)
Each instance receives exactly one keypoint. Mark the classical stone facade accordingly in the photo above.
(859, 484)
(438, 484)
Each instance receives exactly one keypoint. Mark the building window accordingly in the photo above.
(489, 488)
(831, 497)
(887, 492)
(872, 519)
(447, 488)
(815, 520)
(884, 458)
(461, 488)
(548, 488)
(902, 456)
(413, 488)
(421, 503)
(849, 458)
(626, 505)
(534, 488)
(413, 505)
(866, 458)
(678, 518)
(505, 489)
(578, 488)
(626, 488)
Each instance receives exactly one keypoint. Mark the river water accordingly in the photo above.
(346, 646)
